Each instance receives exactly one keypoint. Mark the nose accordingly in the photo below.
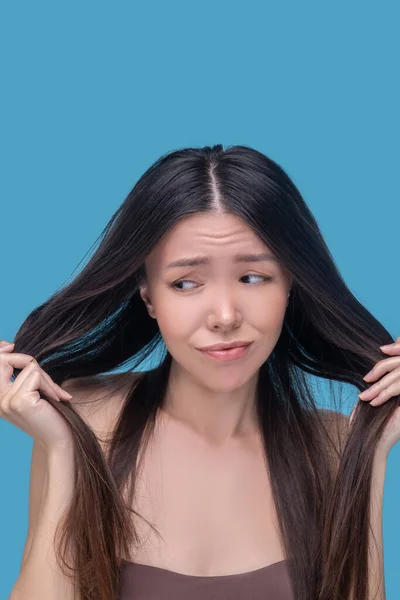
(224, 313)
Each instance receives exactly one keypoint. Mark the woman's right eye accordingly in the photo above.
(179, 282)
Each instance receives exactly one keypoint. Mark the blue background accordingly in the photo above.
(92, 93)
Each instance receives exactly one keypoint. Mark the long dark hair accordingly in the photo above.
(98, 323)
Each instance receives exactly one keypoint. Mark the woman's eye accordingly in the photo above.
(259, 276)
(173, 285)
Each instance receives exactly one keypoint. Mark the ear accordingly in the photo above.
(144, 294)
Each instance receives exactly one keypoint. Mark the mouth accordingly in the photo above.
(228, 354)
(225, 346)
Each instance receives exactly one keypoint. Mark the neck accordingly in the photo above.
(215, 416)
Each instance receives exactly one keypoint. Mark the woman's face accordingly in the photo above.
(222, 300)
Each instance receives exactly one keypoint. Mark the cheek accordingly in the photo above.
(175, 324)
(270, 311)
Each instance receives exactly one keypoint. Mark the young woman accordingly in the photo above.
(213, 474)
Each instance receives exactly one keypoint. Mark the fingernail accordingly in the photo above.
(63, 391)
(386, 346)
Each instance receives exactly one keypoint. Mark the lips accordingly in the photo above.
(227, 346)
(227, 355)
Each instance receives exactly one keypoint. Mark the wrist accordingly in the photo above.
(381, 454)
(61, 449)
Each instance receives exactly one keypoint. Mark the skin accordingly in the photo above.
(221, 302)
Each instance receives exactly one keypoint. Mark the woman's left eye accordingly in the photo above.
(176, 283)
(259, 276)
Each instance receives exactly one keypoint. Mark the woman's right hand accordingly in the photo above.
(22, 405)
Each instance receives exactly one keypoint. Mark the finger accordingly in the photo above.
(27, 363)
(393, 348)
(381, 367)
(29, 384)
(44, 386)
(386, 394)
(25, 360)
(6, 347)
(383, 383)
(57, 389)
(11, 404)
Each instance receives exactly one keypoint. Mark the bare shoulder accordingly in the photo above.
(99, 400)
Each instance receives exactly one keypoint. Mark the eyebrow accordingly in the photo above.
(204, 260)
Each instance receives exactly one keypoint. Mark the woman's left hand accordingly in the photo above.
(384, 389)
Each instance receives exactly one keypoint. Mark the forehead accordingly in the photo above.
(217, 236)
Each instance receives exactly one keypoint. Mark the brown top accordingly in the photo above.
(146, 582)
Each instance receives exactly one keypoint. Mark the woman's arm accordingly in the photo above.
(98, 400)
(36, 488)
(41, 577)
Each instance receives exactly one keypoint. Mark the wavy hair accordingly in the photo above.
(98, 322)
